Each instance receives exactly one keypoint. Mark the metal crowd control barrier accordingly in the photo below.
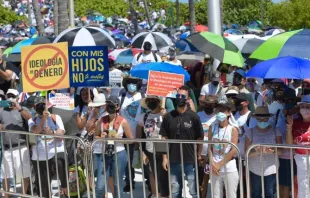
(22, 144)
(126, 143)
(277, 148)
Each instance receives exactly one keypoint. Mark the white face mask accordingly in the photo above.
(11, 99)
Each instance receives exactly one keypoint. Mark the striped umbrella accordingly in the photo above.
(248, 45)
(85, 36)
(124, 56)
(217, 47)
(157, 39)
(294, 43)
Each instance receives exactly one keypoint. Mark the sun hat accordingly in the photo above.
(232, 90)
(304, 100)
(210, 99)
(262, 112)
(143, 100)
(98, 101)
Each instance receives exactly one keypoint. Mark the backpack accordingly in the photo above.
(154, 55)
(32, 138)
(109, 148)
(73, 175)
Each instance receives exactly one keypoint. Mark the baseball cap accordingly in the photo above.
(216, 76)
(113, 99)
(39, 100)
(12, 91)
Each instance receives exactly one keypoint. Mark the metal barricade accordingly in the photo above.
(124, 143)
(56, 144)
(278, 150)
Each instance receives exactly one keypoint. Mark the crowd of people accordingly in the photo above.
(215, 105)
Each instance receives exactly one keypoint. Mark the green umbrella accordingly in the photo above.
(294, 43)
(7, 51)
(217, 47)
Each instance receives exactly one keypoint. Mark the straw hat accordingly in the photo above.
(143, 100)
(262, 112)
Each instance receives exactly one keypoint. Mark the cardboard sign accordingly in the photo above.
(115, 79)
(45, 67)
(62, 100)
(89, 66)
(162, 83)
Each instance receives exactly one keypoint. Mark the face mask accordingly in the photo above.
(111, 108)
(263, 125)
(239, 108)
(208, 110)
(33, 112)
(221, 116)
(11, 99)
(132, 88)
(101, 111)
(180, 102)
(215, 83)
(305, 113)
(126, 73)
(152, 105)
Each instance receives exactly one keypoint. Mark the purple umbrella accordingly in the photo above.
(117, 31)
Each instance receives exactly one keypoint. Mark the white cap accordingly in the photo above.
(12, 91)
(98, 101)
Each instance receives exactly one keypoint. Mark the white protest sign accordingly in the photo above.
(62, 100)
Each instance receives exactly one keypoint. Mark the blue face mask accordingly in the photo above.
(132, 88)
(263, 125)
(126, 73)
(221, 116)
(101, 111)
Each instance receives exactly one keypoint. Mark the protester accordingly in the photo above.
(182, 124)
(112, 125)
(224, 168)
(213, 88)
(150, 123)
(44, 150)
(207, 118)
(262, 133)
(6, 74)
(201, 72)
(297, 132)
(146, 56)
(14, 165)
(172, 57)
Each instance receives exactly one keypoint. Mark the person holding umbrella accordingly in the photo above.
(146, 56)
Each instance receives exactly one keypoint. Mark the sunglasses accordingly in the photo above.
(182, 96)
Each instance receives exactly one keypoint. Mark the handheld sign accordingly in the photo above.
(163, 83)
(62, 100)
(45, 67)
(89, 66)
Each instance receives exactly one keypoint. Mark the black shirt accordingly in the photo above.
(185, 126)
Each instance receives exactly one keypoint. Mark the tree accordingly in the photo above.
(38, 16)
(63, 17)
(177, 6)
(56, 17)
(192, 22)
(133, 15)
(8, 16)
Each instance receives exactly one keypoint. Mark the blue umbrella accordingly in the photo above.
(142, 70)
(283, 67)
(185, 46)
(27, 42)
(184, 35)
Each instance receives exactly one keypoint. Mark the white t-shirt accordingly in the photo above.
(151, 128)
(162, 12)
(143, 58)
(209, 89)
(177, 62)
(40, 153)
(131, 109)
(83, 113)
(223, 134)
(206, 121)
(154, 15)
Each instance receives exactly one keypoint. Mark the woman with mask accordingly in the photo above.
(262, 133)
(207, 118)
(150, 123)
(222, 163)
(112, 125)
(297, 132)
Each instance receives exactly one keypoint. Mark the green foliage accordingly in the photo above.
(8, 16)
(293, 14)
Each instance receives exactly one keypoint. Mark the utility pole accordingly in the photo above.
(71, 13)
(214, 22)
(147, 13)
(29, 13)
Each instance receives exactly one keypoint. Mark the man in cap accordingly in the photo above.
(15, 147)
(44, 151)
(146, 56)
(212, 88)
